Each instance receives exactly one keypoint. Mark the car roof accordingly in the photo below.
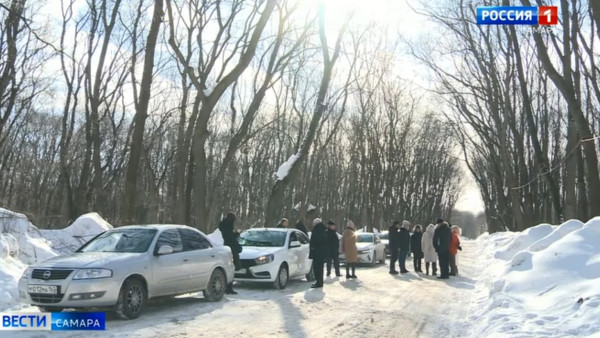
(154, 226)
(272, 229)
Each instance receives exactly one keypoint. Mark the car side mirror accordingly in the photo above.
(295, 244)
(165, 250)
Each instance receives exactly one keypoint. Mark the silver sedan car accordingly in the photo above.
(124, 267)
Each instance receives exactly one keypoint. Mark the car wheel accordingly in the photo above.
(50, 309)
(216, 286)
(282, 277)
(132, 299)
(310, 276)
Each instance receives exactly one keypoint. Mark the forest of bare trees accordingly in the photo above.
(179, 110)
(523, 102)
(176, 111)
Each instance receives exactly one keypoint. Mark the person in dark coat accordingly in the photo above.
(300, 226)
(415, 247)
(394, 238)
(318, 250)
(333, 247)
(231, 240)
(442, 237)
(404, 246)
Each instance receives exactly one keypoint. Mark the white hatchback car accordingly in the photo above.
(369, 247)
(274, 255)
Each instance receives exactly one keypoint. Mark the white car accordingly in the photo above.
(369, 247)
(274, 255)
(124, 267)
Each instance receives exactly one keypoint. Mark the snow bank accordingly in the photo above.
(540, 282)
(216, 237)
(22, 244)
(75, 235)
(23, 239)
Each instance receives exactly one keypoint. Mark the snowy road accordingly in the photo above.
(375, 305)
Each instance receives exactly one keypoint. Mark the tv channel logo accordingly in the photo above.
(57, 321)
(517, 15)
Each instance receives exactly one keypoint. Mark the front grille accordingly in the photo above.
(246, 263)
(55, 274)
(258, 275)
(46, 299)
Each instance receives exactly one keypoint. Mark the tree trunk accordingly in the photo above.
(139, 120)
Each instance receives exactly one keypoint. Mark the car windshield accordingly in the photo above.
(126, 240)
(365, 238)
(263, 238)
(384, 235)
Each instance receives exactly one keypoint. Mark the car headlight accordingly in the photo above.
(93, 274)
(27, 272)
(265, 259)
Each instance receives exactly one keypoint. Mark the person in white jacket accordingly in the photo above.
(429, 250)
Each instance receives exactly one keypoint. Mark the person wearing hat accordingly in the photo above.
(230, 240)
(283, 223)
(333, 244)
(318, 250)
(349, 249)
(429, 250)
(404, 245)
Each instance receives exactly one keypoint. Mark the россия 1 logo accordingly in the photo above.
(517, 15)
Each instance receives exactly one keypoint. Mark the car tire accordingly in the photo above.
(47, 309)
(216, 286)
(310, 276)
(282, 277)
(132, 299)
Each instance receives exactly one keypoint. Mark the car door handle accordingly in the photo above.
(185, 259)
(212, 255)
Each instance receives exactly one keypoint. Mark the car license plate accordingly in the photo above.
(43, 289)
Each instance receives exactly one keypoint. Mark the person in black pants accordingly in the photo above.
(333, 246)
(442, 236)
(394, 238)
(230, 239)
(404, 235)
(415, 247)
(318, 251)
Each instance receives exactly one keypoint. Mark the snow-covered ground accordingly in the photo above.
(539, 282)
(542, 282)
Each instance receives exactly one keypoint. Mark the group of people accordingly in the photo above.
(439, 243)
(325, 247)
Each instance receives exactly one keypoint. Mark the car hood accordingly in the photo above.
(252, 252)
(86, 259)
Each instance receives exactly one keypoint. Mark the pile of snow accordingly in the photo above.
(22, 239)
(22, 244)
(71, 238)
(540, 282)
(216, 237)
